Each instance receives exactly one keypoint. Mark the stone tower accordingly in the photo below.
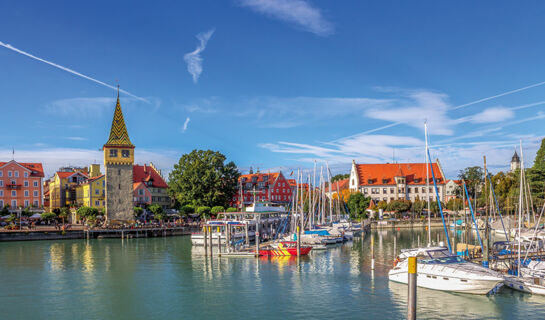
(118, 163)
(515, 162)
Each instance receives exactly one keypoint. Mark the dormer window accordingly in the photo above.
(384, 180)
(113, 153)
(370, 181)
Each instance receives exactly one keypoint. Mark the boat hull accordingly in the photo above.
(450, 283)
(284, 251)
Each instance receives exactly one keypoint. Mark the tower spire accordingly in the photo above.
(118, 133)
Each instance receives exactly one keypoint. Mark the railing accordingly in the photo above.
(13, 186)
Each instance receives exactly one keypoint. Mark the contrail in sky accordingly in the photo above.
(5, 45)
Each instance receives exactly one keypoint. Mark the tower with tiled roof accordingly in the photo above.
(118, 163)
(515, 162)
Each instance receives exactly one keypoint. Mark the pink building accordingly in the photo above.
(21, 184)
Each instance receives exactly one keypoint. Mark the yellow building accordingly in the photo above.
(91, 192)
(62, 188)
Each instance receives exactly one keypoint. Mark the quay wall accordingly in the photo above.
(27, 235)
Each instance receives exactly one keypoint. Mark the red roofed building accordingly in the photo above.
(272, 187)
(452, 188)
(21, 184)
(336, 186)
(149, 187)
(396, 181)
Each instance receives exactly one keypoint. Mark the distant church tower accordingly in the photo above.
(118, 164)
(515, 162)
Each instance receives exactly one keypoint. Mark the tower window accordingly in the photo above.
(113, 153)
(125, 153)
(119, 172)
(120, 186)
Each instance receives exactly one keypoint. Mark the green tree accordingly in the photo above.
(473, 176)
(340, 177)
(187, 210)
(382, 205)
(64, 214)
(217, 210)
(5, 210)
(202, 178)
(48, 216)
(87, 213)
(455, 204)
(155, 209)
(231, 209)
(419, 206)
(138, 211)
(357, 204)
(204, 211)
(399, 206)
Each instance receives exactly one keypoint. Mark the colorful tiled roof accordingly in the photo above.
(384, 173)
(343, 184)
(119, 136)
(146, 174)
(36, 168)
(66, 174)
(259, 177)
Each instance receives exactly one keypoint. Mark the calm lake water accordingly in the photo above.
(166, 278)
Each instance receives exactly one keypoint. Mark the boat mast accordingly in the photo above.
(521, 188)
(428, 183)
(330, 194)
(313, 195)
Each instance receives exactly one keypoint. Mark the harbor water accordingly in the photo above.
(167, 278)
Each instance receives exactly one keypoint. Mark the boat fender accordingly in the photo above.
(396, 261)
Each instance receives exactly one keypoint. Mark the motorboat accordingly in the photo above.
(284, 248)
(438, 269)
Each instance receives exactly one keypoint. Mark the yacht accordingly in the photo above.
(438, 269)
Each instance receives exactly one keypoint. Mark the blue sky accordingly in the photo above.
(275, 84)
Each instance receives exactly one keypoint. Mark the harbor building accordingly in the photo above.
(337, 187)
(149, 187)
(62, 187)
(21, 184)
(273, 187)
(396, 181)
(452, 189)
(118, 165)
(91, 193)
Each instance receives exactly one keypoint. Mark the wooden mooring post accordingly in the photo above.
(372, 252)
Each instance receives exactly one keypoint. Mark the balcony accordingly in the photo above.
(13, 186)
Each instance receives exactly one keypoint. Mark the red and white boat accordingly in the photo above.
(284, 248)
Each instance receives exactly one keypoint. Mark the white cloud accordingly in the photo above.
(494, 114)
(194, 59)
(84, 107)
(298, 12)
(76, 138)
(10, 47)
(185, 124)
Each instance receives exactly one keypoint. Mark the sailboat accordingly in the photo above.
(438, 268)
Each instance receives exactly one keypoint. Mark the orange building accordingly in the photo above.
(21, 184)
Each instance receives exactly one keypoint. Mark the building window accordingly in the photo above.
(365, 190)
(392, 190)
(125, 153)
(36, 203)
(36, 183)
(27, 203)
(25, 174)
(1, 174)
(384, 190)
(113, 153)
(97, 203)
(26, 193)
(1, 193)
(26, 183)
(16, 174)
(97, 191)
(14, 203)
(1, 183)
(10, 174)
(13, 193)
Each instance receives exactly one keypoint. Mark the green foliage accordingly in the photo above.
(455, 204)
(26, 212)
(204, 211)
(5, 210)
(137, 211)
(217, 209)
(64, 213)
(48, 216)
(232, 209)
(419, 206)
(160, 216)
(12, 217)
(340, 177)
(382, 205)
(187, 209)
(155, 209)
(473, 176)
(202, 178)
(358, 204)
(87, 212)
(399, 206)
